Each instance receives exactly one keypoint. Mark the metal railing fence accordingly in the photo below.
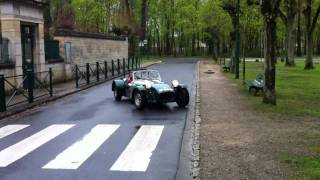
(17, 90)
(90, 73)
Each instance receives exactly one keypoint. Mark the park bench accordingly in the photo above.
(227, 68)
(256, 85)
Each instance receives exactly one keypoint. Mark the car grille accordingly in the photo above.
(167, 96)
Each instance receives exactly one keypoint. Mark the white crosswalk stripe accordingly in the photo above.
(136, 156)
(24, 147)
(10, 129)
(79, 152)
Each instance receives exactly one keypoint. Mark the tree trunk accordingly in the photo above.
(290, 44)
(290, 22)
(173, 42)
(270, 62)
(309, 51)
(318, 46)
(270, 11)
(132, 44)
(299, 49)
(310, 23)
(144, 13)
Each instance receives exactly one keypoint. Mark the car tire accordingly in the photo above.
(139, 100)
(182, 97)
(117, 95)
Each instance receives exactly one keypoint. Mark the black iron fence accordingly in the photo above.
(90, 73)
(22, 89)
(33, 86)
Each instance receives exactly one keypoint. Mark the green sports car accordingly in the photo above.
(143, 87)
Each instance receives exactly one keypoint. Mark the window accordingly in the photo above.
(5, 61)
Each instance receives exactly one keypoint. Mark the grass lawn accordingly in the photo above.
(298, 90)
(298, 95)
(151, 60)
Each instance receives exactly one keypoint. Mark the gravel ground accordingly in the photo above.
(238, 142)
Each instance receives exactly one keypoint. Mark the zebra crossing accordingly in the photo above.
(134, 158)
(10, 129)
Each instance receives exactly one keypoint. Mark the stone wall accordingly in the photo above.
(61, 72)
(89, 48)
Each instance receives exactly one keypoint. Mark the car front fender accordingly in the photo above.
(182, 86)
(139, 88)
(118, 85)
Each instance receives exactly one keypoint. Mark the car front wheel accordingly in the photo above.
(139, 100)
(182, 98)
(117, 95)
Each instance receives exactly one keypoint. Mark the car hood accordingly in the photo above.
(156, 85)
(162, 87)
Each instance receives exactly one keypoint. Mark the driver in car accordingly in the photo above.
(130, 77)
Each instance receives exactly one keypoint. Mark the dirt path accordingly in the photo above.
(238, 142)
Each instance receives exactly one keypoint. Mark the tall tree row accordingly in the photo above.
(269, 28)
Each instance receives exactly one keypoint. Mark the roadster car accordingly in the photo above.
(145, 87)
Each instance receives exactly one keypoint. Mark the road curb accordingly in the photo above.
(57, 97)
(189, 166)
(196, 132)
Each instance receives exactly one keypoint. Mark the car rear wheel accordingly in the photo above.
(182, 98)
(117, 95)
(139, 100)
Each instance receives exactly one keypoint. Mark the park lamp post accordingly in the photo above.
(237, 52)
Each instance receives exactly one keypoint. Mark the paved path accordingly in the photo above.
(90, 136)
(237, 142)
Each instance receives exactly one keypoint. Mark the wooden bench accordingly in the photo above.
(256, 85)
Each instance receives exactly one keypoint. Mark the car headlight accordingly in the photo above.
(175, 83)
(148, 85)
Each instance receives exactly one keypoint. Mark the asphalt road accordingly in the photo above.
(90, 136)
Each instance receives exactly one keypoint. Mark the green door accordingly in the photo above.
(27, 51)
(27, 48)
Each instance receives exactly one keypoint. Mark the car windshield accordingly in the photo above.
(147, 75)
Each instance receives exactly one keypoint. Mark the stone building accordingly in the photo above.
(22, 27)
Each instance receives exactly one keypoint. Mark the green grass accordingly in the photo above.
(306, 168)
(298, 90)
(149, 61)
(298, 95)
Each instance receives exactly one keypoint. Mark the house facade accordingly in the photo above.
(22, 33)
